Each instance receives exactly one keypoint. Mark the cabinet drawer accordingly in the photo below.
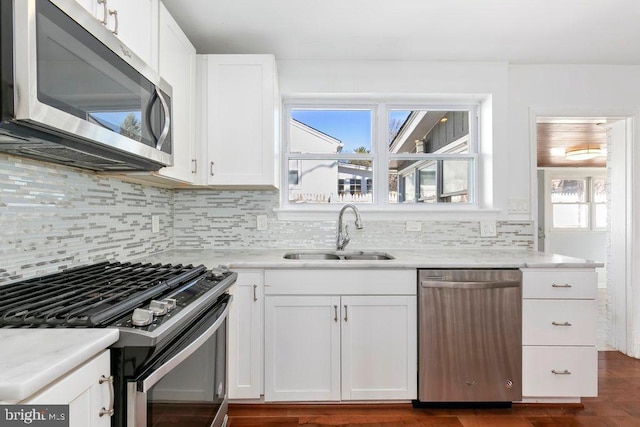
(559, 371)
(340, 282)
(559, 322)
(559, 283)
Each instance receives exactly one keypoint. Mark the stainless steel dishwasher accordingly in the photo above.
(470, 336)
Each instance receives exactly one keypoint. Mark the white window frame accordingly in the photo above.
(380, 155)
(588, 174)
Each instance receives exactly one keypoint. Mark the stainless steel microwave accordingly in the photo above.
(72, 93)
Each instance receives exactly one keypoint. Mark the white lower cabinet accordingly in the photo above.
(559, 371)
(340, 347)
(302, 348)
(378, 347)
(84, 392)
(559, 323)
(245, 336)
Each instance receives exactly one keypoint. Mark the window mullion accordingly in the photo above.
(381, 153)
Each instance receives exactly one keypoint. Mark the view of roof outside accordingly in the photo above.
(351, 127)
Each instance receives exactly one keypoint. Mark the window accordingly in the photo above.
(380, 154)
(579, 203)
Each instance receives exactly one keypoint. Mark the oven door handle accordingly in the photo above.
(145, 384)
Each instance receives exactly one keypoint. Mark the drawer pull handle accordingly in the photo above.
(109, 380)
(566, 285)
(561, 324)
(335, 312)
(565, 372)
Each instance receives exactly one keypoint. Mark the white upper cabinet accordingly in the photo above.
(135, 23)
(178, 68)
(240, 118)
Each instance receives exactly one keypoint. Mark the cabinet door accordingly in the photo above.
(178, 68)
(245, 336)
(302, 348)
(82, 391)
(379, 353)
(137, 25)
(241, 119)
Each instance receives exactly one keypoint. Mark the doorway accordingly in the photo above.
(574, 171)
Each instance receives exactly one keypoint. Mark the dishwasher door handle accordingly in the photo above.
(469, 285)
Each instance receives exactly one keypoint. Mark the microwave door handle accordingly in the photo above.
(149, 111)
(146, 384)
(167, 120)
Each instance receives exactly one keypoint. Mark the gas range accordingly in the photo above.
(169, 316)
(145, 298)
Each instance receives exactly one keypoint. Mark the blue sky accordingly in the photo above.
(352, 127)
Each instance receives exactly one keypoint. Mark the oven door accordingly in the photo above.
(187, 383)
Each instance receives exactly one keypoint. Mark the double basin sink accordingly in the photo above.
(338, 255)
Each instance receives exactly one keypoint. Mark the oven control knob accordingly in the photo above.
(172, 303)
(141, 317)
(159, 308)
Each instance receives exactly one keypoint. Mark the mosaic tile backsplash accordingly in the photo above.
(209, 219)
(53, 217)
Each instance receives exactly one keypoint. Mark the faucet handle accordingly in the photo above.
(346, 238)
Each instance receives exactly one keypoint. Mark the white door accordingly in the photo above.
(379, 353)
(245, 336)
(302, 348)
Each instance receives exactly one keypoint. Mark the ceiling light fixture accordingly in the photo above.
(583, 153)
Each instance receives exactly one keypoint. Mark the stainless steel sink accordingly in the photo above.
(310, 256)
(338, 255)
(375, 256)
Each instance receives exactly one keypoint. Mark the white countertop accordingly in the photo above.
(30, 359)
(403, 258)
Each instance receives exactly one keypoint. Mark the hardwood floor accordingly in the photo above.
(617, 404)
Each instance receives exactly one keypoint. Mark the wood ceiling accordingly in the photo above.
(555, 138)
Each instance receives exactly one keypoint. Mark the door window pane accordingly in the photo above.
(568, 190)
(601, 215)
(570, 215)
(599, 190)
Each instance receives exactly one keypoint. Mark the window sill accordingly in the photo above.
(322, 213)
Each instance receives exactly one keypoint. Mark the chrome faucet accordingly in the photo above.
(343, 238)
